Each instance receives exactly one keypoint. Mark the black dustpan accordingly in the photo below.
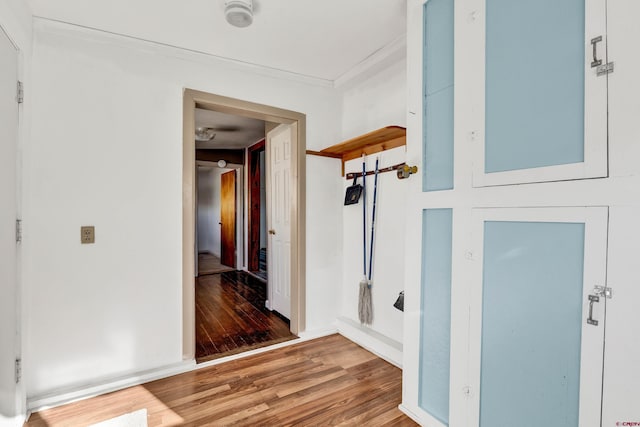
(353, 193)
(399, 304)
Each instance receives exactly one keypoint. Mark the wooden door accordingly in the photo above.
(254, 205)
(279, 142)
(228, 218)
(9, 349)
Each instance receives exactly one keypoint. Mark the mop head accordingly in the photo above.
(364, 302)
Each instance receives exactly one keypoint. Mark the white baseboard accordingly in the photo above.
(62, 397)
(409, 413)
(69, 395)
(380, 345)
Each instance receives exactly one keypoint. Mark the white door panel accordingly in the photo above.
(279, 143)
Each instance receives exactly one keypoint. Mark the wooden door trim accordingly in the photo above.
(253, 173)
(191, 100)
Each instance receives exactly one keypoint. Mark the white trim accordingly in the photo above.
(378, 344)
(383, 57)
(94, 34)
(73, 394)
(39, 403)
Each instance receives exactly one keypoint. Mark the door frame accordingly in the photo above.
(193, 99)
(240, 246)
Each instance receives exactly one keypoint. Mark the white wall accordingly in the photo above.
(209, 209)
(107, 151)
(373, 102)
(15, 21)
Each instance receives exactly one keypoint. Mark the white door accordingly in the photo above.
(279, 142)
(8, 201)
(537, 321)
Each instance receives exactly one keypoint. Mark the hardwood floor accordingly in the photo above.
(210, 264)
(325, 382)
(231, 316)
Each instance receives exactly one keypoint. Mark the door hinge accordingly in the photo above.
(18, 230)
(20, 92)
(603, 70)
(603, 291)
(18, 370)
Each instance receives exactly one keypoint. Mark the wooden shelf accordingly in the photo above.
(370, 143)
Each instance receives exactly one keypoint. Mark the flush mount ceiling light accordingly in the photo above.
(239, 13)
(204, 134)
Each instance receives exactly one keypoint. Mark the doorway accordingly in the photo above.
(295, 267)
(217, 215)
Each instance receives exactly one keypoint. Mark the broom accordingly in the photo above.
(365, 310)
(364, 307)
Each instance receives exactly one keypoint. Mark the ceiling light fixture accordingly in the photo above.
(204, 134)
(239, 13)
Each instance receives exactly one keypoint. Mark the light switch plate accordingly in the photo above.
(87, 234)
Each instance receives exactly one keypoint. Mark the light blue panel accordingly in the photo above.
(531, 324)
(438, 96)
(534, 83)
(435, 321)
(438, 43)
(438, 142)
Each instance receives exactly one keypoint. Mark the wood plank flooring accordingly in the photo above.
(325, 382)
(231, 316)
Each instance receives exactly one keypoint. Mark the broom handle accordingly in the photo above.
(373, 217)
(364, 218)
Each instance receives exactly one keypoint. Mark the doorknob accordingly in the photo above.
(272, 231)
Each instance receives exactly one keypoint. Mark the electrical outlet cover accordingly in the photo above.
(87, 234)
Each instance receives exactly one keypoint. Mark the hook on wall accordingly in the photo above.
(406, 171)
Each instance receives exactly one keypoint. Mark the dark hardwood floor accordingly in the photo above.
(231, 316)
(324, 382)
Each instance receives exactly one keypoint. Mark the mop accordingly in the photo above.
(365, 311)
(364, 292)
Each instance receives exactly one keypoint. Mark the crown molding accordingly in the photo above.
(382, 58)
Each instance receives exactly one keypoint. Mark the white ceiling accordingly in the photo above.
(318, 38)
(231, 131)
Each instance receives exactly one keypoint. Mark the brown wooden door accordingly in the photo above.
(228, 218)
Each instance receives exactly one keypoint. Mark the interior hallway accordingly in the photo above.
(231, 316)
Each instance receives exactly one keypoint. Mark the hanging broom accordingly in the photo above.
(364, 297)
(365, 310)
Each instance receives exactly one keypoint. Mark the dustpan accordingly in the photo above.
(353, 193)
(399, 304)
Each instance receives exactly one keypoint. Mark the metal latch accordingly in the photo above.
(605, 69)
(603, 291)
